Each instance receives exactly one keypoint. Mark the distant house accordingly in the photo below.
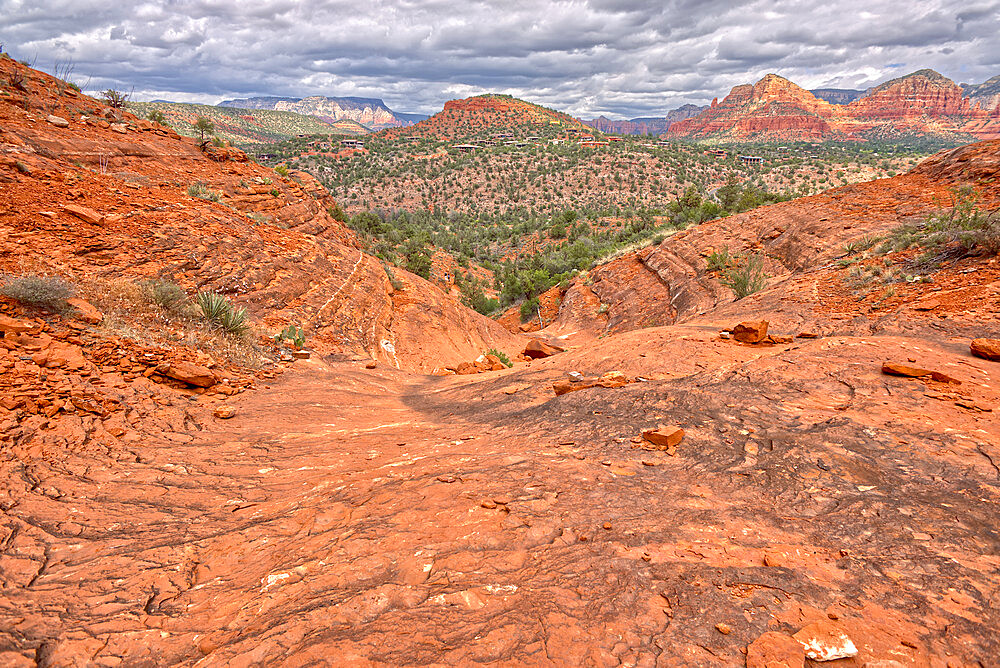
(614, 139)
(593, 144)
(717, 152)
(465, 148)
(751, 160)
(352, 143)
(586, 137)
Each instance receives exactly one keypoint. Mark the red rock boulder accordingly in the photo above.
(537, 349)
(189, 372)
(988, 349)
(750, 331)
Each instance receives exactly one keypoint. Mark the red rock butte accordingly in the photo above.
(924, 102)
(682, 479)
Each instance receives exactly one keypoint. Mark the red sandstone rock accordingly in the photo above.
(13, 326)
(611, 379)
(224, 412)
(894, 369)
(825, 641)
(664, 437)
(84, 213)
(986, 348)
(190, 373)
(86, 310)
(537, 349)
(775, 650)
(774, 107)
(371, 365)
(750, 331)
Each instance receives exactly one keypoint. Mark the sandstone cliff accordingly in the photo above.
(923, 102)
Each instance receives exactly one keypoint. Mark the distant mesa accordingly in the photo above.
(922, 103)
(837, 95)
(653, 125)
(368, 111)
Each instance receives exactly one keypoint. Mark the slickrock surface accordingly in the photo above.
(347, 516)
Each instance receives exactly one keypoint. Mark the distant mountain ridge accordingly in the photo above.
(921, 103)
(650, 125)
(368, 111)
(838, 95)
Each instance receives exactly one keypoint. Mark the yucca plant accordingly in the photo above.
(220, 312)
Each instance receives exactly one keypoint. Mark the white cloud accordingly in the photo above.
(617, 57)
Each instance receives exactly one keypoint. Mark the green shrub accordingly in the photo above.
(718, 260)
(164, 294)
(157, 117)
(500, 356)
(282, 170)
(859, 245)
(395, 282)
(529, 309)
(221, 313)
(201, 191)
(115, 98)
(204, 125)
(745, 275)
(48, 292)
(960, 231)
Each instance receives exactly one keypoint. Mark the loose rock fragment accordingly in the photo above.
(188, 372)
(224, 412)
(750, 331)
(537, 349)
(775, 650)
(988, 349)
(665, 437)
(825, 641)
(84, 213)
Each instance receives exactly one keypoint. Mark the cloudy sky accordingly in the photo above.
(621, 58)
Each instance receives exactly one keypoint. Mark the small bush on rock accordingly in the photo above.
(718, 260)
(958, 232)
(502, 356)
(164, 294)
(745, 275)
(47, 292)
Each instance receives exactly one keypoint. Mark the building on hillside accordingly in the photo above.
(352, 143)
(614, 139)
(586, 137)
(465, 148)
(593, 144)
(717, 152)
(751, 160)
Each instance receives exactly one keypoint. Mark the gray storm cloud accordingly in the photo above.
(621, 58)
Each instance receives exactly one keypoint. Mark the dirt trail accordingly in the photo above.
(351, 517)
